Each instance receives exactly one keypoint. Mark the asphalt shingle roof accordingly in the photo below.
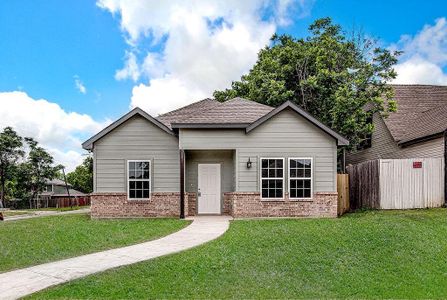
(209, 111)
(183, 113)
(421, 111)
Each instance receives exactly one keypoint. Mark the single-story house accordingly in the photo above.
(416, 130)
(238, 157)
(55, 194)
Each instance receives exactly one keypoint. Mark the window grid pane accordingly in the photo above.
(300, 178)
(272, 172)
(139, 179)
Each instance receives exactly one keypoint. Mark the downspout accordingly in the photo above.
(182, 183)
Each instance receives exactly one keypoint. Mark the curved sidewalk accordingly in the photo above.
(22, 282)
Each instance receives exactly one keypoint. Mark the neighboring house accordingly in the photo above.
(416, 130)
(55, 195)
(238, 157)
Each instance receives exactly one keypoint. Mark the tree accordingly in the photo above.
(82, 177)
(33, 173)
(10, 151)
(331, 75)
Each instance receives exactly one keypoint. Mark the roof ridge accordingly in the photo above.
(245, 99)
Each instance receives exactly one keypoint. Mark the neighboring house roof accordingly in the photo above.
(56, 181)
(429, 124)
(136, 111)
(420, 112)
(340, 139)
(209, 113)
(73, 193)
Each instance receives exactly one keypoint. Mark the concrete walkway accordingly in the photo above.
(22, 282)
(45, 213)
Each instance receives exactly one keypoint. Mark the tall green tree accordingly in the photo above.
(10, 151)
(330, 74)
(33, 173)
(82, 177)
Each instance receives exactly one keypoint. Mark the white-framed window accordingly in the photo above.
(272, 178)
(138, 179)
(300, 177)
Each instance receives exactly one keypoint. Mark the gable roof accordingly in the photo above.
(420, 112)
(234, 113)
(340, 139)
(209, 113)
(88, 145)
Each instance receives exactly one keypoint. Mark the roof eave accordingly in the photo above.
(409, 142)
(341, 141)
(88, 145)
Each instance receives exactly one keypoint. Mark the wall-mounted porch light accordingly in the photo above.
(249, 163)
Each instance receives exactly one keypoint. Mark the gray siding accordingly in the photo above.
(136, 139)
(285, 135)
(384, 146)
(223, 157)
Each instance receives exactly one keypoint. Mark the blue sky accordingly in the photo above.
(90, 62)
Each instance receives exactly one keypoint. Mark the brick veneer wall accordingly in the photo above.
(246, 204)
(236, 204)
(116, 205)
(192, 204)
(228, 204)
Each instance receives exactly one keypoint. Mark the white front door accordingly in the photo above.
(209, 189)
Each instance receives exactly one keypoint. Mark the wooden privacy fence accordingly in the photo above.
(343, 193)
(364, 185)
(397, 183)
(62, 202)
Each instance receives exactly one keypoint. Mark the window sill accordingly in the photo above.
(273, 200)
(301, 199)
(139, 200)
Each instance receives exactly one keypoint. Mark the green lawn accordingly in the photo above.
(38, 240)
(373, 254)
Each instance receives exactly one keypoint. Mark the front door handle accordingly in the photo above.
(199, 193)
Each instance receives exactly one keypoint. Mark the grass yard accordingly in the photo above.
(373, 254)
(38, 240)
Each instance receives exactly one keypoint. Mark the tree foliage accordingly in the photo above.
(82, 177)
(35, 170)
(331, 75)
(10, 151)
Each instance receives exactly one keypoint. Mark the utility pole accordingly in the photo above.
(66, 186)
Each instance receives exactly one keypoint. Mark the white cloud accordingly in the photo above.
(130, 70)
(425, 55)
(416, 70)
(205, 45)
(60, 132)
(80, 85)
